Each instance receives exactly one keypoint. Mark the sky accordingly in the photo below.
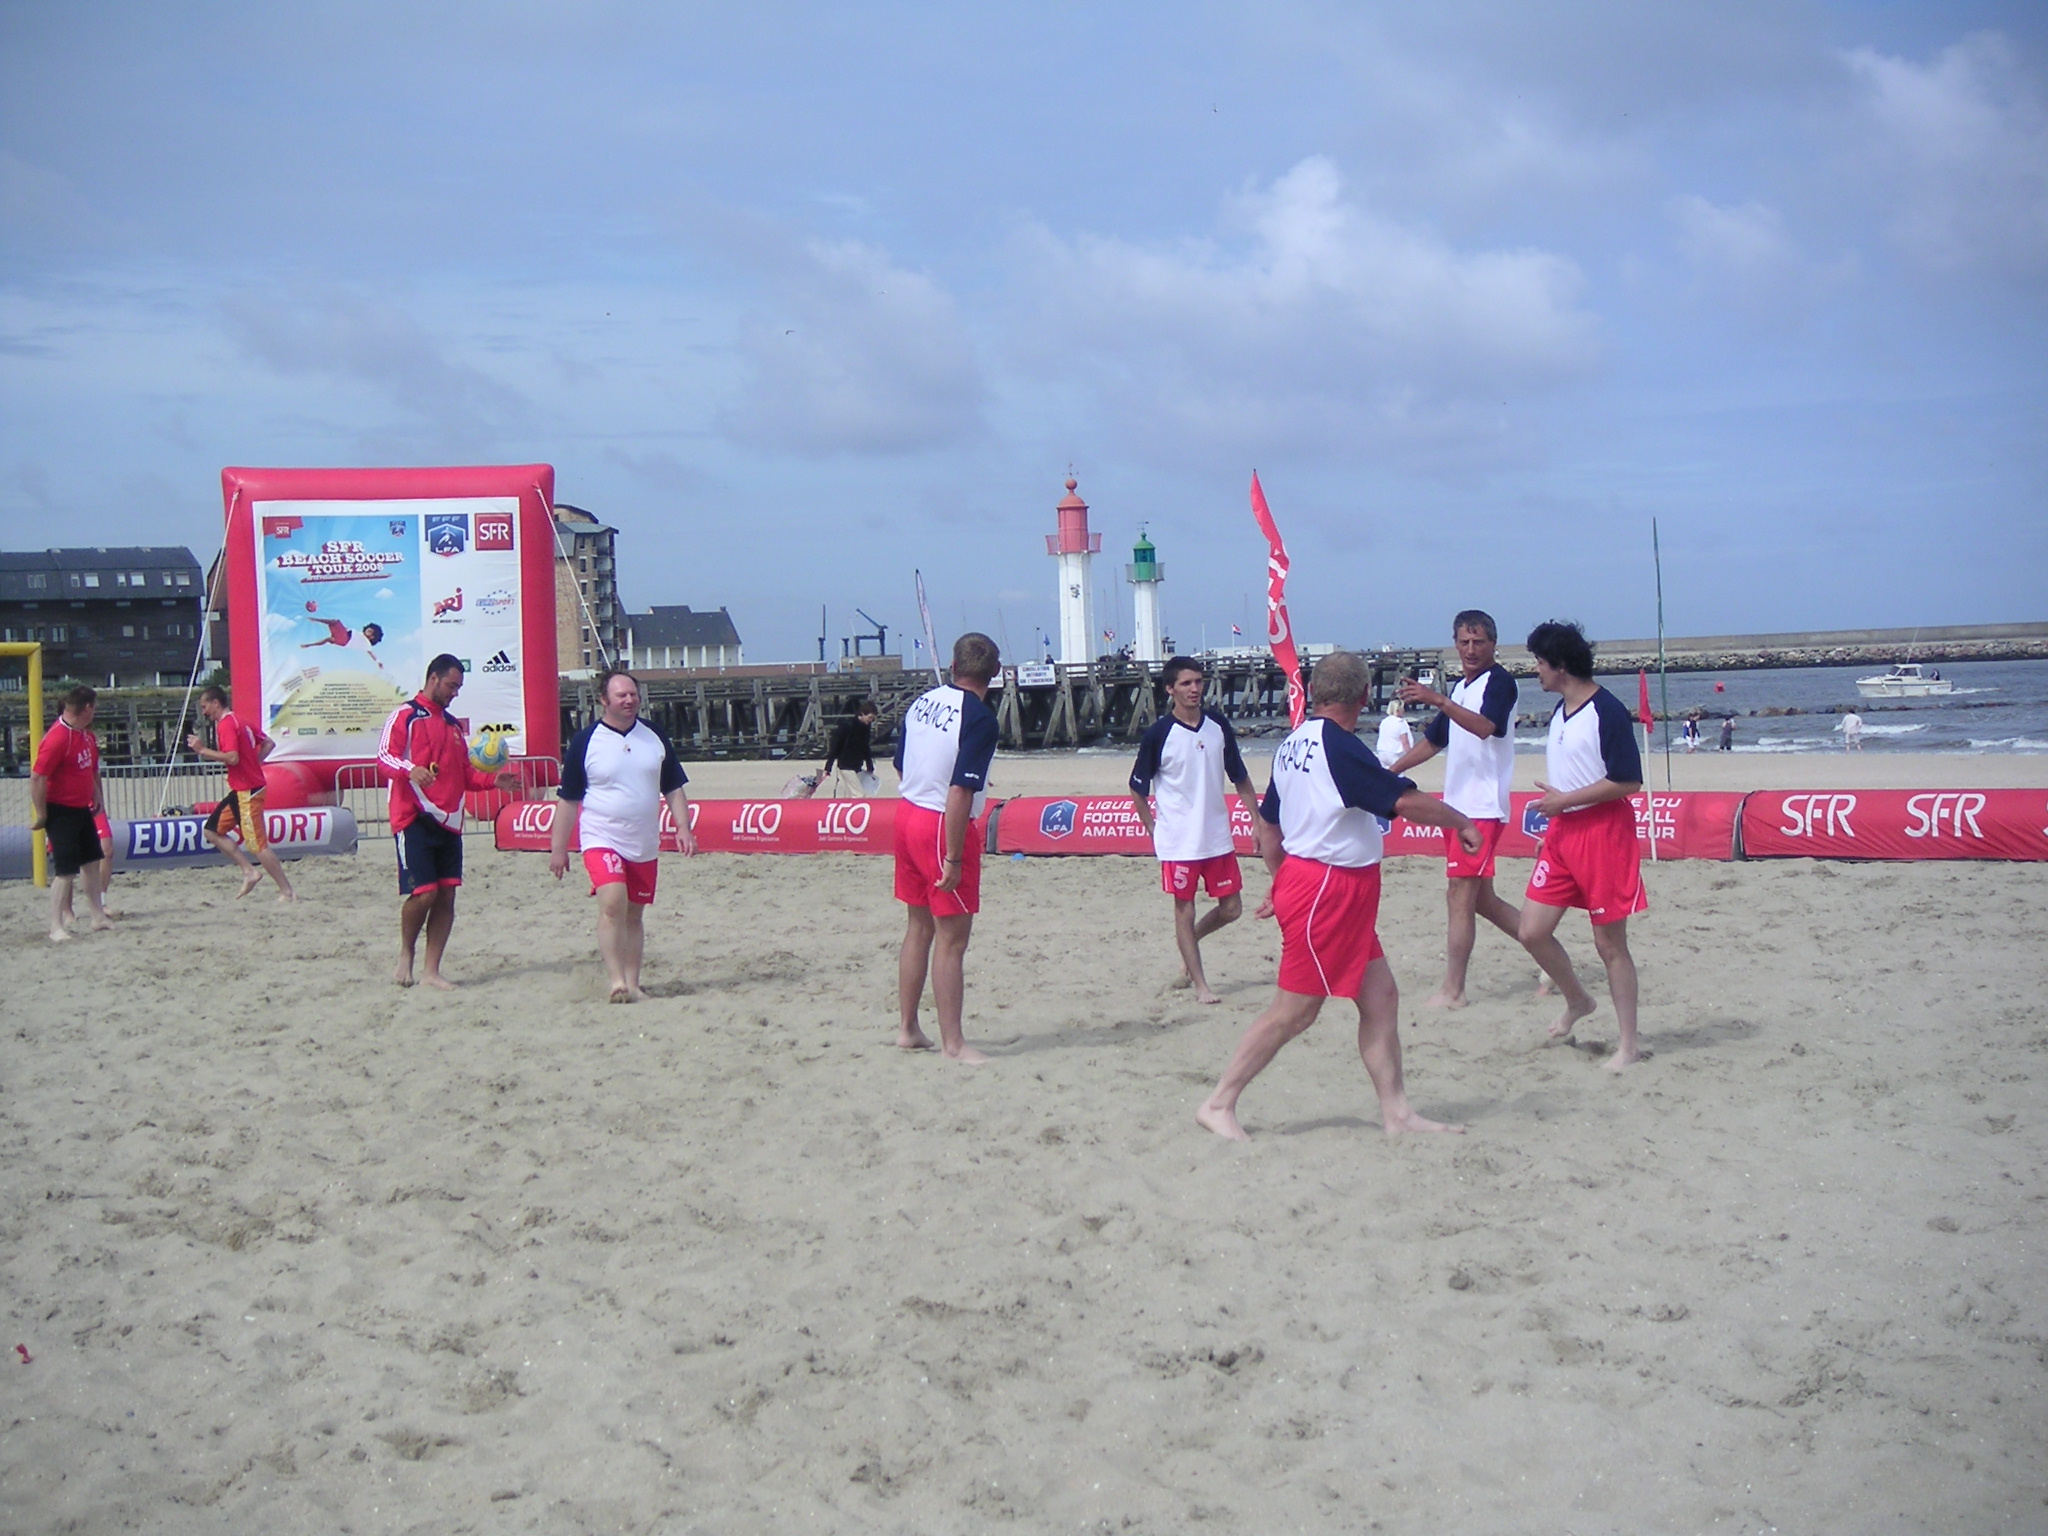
(801, 299)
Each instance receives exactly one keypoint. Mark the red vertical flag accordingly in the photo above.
(1279, 632)
(1643, 711)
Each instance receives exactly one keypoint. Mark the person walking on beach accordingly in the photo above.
(1692, 732)
(1186, 758)
(1319, 834)
(1394, 738)
(1852, 731)
(425, 755)
(852, 748)
(943, 752)
(242, 749)
(1589, 856)
(64, 797)
(615, 775)
(1475, 726)
(1727, 733)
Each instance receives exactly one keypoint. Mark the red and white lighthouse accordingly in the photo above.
(1075, 548)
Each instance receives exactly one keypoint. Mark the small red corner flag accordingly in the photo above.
(1643, 711)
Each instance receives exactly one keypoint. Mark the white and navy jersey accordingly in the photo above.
(948, 737)
(1478, 768)
(619, 777)
(1327, 794)
(1187, 767)
(1593, 742)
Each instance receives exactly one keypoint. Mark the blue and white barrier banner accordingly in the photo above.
(176, 842)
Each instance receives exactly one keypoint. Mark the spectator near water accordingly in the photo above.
(1187, 758)
(1852, 731)
(1319, 833)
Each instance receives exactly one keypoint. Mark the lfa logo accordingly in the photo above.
(447, 532)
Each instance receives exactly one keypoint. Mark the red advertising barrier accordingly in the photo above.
(1687, 826)
(1087, 824)
(1896, 824)
(743, 826)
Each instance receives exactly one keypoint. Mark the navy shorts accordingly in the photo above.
(74, 840)
(429, 857)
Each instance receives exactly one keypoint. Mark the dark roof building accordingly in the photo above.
(674, 636)
(122, 617)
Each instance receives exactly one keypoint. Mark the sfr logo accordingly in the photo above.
(1944, 815)
(1827, 815)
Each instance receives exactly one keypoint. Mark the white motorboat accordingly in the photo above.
(1904, 681)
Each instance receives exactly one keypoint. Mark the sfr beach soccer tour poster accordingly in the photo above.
(343, 584)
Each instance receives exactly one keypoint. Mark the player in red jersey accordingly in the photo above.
(425, 755)
(242, 749)
(64, 794)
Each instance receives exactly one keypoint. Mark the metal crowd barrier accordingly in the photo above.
(366, 792)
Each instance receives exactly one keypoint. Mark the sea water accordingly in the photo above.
(1996, 706)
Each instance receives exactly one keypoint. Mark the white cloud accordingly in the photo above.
(1329, 328)
(1962, 144)
(1743, 254)
(852, 354)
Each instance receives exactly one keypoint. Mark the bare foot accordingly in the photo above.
(59, 934)
(967, 1056)
(438, 982)
(1444, 997)
(402, 973)
(1568, 1021)
(1621, 1060)
(1222, 1121)
(250, 881)
(913, 1040)
(1204, 995)
(1407, 1120)
(103, 923)
(287, 898)
(623, 994)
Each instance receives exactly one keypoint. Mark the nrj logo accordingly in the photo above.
(1057, 819)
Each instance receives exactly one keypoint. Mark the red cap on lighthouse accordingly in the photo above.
(1073, 537)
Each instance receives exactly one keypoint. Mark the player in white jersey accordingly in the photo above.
(615, 775)
(1475, 727)
(1186, 758)
(943, 751)
(1589, 856)
(1319, 834)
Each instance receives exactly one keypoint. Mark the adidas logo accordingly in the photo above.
(500, 663)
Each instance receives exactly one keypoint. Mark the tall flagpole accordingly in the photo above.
(1663, 676)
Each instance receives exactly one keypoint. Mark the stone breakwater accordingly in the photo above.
(1632, 655)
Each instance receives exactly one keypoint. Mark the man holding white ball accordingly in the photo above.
(615, 775)
(425, 755)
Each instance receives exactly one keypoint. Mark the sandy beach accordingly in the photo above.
(293, 1250)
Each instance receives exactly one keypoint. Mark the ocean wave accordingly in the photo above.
(1892, 730)
(2010, 744)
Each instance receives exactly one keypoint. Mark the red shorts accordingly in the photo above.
(1459, 864)
(1327, 936)
(1589, 860)
(1181, 878)
(920, 864)
(606, 868)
